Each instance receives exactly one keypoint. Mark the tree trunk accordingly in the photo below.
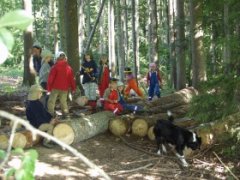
(120, 42)
(94, 27)
(198, 61)
(125, 29)
(71, 28)
(172, 39)
(180, 46)
(102, 38)
(111, 38)
(28, 76)
(226, 47)
(80, 129)
(81, 27)
(62, 21)
(153, 37)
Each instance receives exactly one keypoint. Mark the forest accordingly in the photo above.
(194, 44)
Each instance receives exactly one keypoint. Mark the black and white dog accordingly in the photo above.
(166, 132)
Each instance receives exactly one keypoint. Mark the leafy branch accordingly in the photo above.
(36, 132)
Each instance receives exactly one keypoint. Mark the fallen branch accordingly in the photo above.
(35, 132)
(225, 166)
(131, 170)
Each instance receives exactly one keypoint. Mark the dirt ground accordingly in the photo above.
(131, 158)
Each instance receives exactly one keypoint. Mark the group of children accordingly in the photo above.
(57, 80)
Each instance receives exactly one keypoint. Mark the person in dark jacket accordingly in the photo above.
(89, 80)
(36, 58)
(37, 115)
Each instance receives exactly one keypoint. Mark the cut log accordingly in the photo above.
(79, 129)
(25, 139)
(118, 127)
(209, 132)
(3, 141)
(183, 96)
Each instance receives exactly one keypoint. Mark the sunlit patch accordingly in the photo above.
(15, 163)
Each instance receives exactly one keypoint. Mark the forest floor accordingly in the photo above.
(128, 158)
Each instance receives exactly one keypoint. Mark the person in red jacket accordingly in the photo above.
(104, 76)
(111, 98)
(60, 81)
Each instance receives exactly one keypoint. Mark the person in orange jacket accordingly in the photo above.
(131, 83)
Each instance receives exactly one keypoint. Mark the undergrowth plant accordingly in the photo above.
(217, 98)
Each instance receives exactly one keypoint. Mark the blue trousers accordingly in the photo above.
(154, 89)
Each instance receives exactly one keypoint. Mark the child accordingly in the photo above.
(89, 81)
(60, 81)
(154, 82)
(111, 98)
(45, 68)
(37, 115)
(103, 78)
(43, 74)
(129, 107)
(131, 83)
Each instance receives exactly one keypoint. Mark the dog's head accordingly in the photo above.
(195, 141)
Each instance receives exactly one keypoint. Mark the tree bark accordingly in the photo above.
(198, 61)
(111, 38)
(180, 46)
(71, 27)
(80, 129)
(62, 21)
(28, 76)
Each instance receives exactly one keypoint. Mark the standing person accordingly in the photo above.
(89, 81)
(37, 59)
(125, 105)
(37, 115)
(44, 72)
(104, 75)
(154, 82)
(60, 81)
(111, 98)
(131, 83)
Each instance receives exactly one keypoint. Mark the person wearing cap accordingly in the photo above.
(89, 80)
(60, 81)
(131, 83)
(111, 98)
(154, 82)
(125, 105)
(36, 58)
(37, 115)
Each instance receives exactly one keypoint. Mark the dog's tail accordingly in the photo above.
(170, 116)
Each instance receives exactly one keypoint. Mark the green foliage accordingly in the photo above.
(27, 167)
(216, 99)
(17, 19)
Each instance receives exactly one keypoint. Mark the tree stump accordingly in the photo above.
(79, 129)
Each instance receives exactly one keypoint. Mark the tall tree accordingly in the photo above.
(153, 26)
(135, 37)
(120, 40)
(71, 27)
(226, 47)
(62, 29)
(102, 31)
(180, 46)
(125, 29)
(111, 38)
(198, 61)
(28, 74)
(94, 27)
(81, 26)
(172, 39)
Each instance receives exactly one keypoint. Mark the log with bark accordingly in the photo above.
(79, 129)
